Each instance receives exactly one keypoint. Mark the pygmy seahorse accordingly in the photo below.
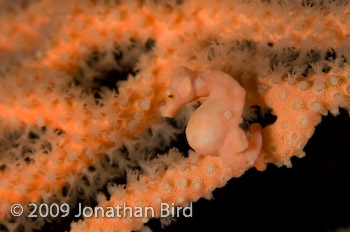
(213, 128)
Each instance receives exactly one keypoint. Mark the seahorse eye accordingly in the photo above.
(170, 94)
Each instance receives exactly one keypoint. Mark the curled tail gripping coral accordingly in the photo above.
(213, 129)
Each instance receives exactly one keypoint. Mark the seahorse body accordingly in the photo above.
(213, 129)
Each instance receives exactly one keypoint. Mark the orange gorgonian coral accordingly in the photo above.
(83, 84)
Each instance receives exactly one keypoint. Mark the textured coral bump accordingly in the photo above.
(85, 86)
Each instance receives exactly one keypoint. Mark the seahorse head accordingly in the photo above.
(179, 92)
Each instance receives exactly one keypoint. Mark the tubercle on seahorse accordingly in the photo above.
(214, 128)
